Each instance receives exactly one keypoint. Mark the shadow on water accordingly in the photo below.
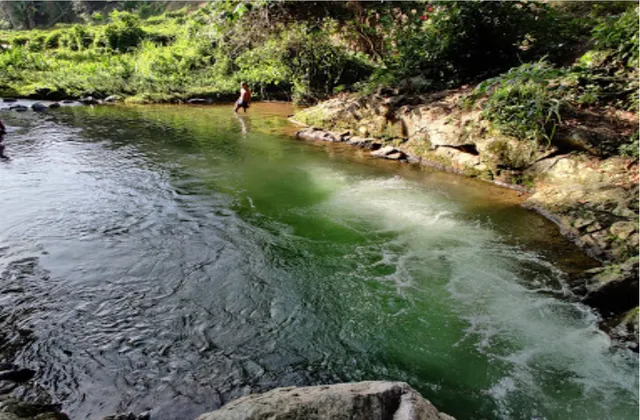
(179, 257)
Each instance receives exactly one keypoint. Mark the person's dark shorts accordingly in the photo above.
(242, 104)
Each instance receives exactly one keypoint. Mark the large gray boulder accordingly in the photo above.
(373, 400)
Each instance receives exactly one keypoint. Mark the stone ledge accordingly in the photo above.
(371, 400)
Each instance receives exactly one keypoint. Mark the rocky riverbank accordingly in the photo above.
(577, 180)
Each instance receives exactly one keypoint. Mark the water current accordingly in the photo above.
(174, 258)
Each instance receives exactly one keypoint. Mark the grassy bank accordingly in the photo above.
(577, 56)
(193, 52)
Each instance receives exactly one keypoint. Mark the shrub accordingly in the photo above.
(124, 33)
(97, 18)
(632, 148)
(36, 43)
(317, 66)
(79, 38)
(19, 41)
(620, 34)
(456, 42)
(52, 40)
(521, 102)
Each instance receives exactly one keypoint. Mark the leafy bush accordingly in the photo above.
(97, 18)
(306, 62)
(317, 66)
(124, 33)
(620, 34)
(19, 41)
(457, 42)
(52, 40)
(522, 104)
(76, 38)
(36, 43)
(632, 148)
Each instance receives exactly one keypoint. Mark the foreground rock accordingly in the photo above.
(372, 400)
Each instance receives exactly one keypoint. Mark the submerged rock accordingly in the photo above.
(39, 107)
(389, 152)
(372, 400)
(18, 108)
(8, 100)
(112, 99)
(89, 100)
(54, 105)
(316, 134)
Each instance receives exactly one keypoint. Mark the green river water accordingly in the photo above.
(176, 257)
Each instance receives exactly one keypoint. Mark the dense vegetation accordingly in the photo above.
(538, 60)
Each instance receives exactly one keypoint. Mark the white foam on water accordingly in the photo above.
(537, 338)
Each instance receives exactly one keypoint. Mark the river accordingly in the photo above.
(176, 257)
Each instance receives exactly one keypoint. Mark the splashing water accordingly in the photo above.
(169, 258)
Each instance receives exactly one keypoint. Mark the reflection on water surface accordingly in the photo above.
(177, 257)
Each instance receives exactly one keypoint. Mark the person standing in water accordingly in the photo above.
(245, 98)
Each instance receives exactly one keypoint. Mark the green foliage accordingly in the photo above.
(317, 66)
(620, 34)
(19, 41)
(455, 42)
(52, 40)
(124, 33)
(632, 148)
(312, 50)
(97, 18)
(521, 102)
(36, 43)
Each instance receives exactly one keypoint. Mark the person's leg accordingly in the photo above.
(236, 108)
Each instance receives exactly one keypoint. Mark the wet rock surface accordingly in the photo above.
(373, 400)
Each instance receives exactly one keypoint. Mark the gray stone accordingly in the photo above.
(7, 100)
(413, 159)
(615, 289)
(623, 229)
(112, 98)
(389, 152)
(196, 101)
(89, 100)
(313, 133)
(594, 227)
(39, 107)
(396, 156)
(580, 223)
(383, 151)
(373, 400)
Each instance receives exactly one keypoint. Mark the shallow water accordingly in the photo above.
(174, 258)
